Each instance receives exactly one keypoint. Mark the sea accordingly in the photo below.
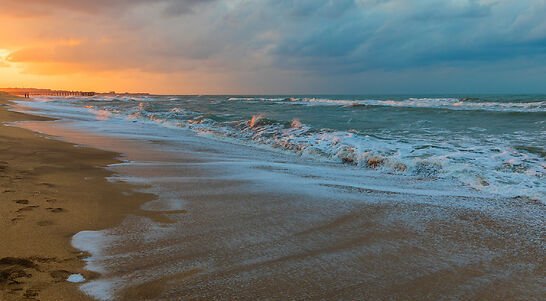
(495, 144)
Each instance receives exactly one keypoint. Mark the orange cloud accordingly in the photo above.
(31, 55)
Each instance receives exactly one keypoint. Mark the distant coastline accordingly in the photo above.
(54, 92)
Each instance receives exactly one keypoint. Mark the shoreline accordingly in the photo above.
(227, 226)
(51, 190)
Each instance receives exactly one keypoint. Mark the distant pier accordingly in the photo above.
(57, 93)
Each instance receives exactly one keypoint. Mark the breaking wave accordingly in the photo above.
(490, 166)
(509, 163)
(432, 103)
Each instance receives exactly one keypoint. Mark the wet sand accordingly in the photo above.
(49, 191)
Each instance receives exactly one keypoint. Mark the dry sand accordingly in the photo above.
(50, 190)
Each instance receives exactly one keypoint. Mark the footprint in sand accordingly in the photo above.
(27, 208)
(17, 218)
(55, 210)
(23, 202)
(59, 275)
(31, 294)
(13, 271)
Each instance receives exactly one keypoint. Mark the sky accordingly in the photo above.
(275, 46)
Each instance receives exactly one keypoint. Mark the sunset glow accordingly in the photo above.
(221, 46)
(4, 53)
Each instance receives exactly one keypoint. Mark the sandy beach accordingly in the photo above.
(225, 226)
(49, 191)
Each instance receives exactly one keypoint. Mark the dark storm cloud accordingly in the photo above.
(394, 34)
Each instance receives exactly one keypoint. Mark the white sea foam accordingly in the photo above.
(94, 242)
(492, 166)
(433, 103)
(76, 278)
(100, 289)
(258, 98)
(91, 242)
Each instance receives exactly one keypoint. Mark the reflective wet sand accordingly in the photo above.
(214, 235)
